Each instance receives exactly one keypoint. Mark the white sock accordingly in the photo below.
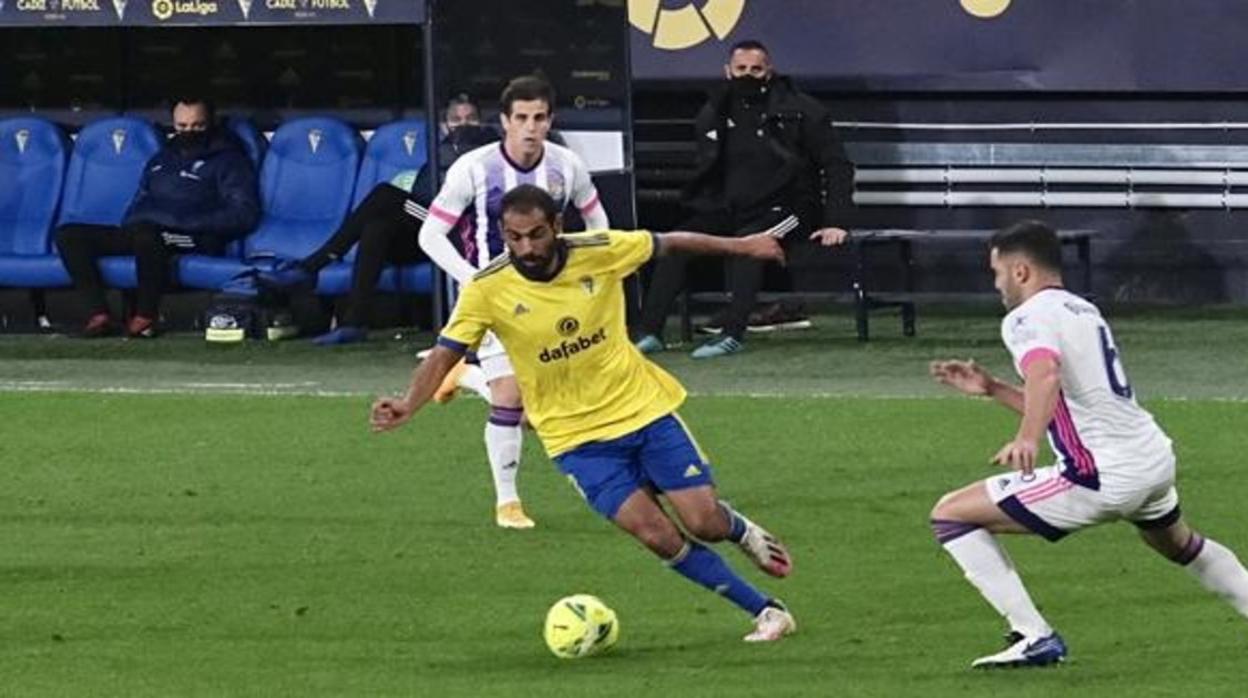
(473, 378)
(502, 445)
(986, 566)
(1221, 572)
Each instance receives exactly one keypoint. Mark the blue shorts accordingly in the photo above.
(661, 454)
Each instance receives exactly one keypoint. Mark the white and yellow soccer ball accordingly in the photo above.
(580, 626)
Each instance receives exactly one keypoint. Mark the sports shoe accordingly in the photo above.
(450, 384)
(511, 515)
(342, 335)
(717, 348)
(141, 327)
(99, 325)
(778, 316)
(1023, 651)
(714, 324)
(764, 549)
(286, 274)
(650, 344)
(771, 624)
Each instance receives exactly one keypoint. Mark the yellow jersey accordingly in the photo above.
(581, 378)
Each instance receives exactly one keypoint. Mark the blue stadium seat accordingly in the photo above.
(395, 147)
(105, 168)
(104, 173)
(254, 142)
(306, 183)
(33, 160)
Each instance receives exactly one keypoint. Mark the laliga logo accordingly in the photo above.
(686, 26)
(162, 9)
(985, 9)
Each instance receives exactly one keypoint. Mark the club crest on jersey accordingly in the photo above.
(409, 138)
(119, 6)
(314, 139)
(587, 283)
(22, 137)
(245, 7)
(119, 140)
(567, 326)
(371, 6)
(556, 190)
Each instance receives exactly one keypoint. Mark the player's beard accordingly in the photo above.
(541, 267)
(536, 264)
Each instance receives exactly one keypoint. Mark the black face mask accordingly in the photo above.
(190, 141)
(468, 136)
(748, 88)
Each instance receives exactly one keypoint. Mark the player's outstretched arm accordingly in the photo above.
(970, 378)
(390, 412)
(764, 245)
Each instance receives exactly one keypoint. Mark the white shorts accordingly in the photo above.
(1052, 506)
(493, 358)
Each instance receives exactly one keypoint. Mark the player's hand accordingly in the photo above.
(1019, 454)
(764, 246)
(389, 413)
(964, 376)
(830, 237)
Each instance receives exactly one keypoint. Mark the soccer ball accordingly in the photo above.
(579, 626)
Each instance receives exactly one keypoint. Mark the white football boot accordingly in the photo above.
(771, 624)
(1025, 651)
(764, 549)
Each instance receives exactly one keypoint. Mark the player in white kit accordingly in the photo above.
(468, 209)
(1115, 463)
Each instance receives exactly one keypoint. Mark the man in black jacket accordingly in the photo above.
(767, 158)
(196, 194)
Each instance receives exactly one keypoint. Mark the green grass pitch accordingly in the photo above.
(172, 543)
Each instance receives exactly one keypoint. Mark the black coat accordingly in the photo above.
(815, 174)
(208, 193)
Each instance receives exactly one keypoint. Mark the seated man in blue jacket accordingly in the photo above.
(196, 195)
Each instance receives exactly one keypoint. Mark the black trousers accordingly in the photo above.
(386, 233)
(153, 248)
(744, 276)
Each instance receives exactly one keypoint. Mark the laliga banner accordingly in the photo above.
(148, 13)
(1163, 45)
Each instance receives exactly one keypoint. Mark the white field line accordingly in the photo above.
(311, 389)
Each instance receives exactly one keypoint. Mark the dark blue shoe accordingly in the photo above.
(341, 335)
(287, 274)
(1025, 651)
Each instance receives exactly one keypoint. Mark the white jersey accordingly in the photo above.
(470, 200)
(1099, 431)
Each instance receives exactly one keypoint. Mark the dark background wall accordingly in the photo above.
(1147, 62)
